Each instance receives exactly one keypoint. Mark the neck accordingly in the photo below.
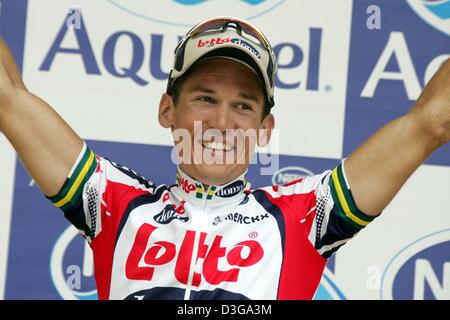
(196, 190)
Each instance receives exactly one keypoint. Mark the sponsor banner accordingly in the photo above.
(13, 15)
(390, 66)
(420, 271)
(103, 66)
(185, 13)
(12, 29)
(403, 254)
(106, 78)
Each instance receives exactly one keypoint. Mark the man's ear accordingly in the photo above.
(166, 113)
(267, 126)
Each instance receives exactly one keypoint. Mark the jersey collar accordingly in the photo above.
(193, 190)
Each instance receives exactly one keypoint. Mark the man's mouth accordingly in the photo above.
(217, 146)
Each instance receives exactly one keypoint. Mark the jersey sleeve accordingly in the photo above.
(337, 218)
(325, 204)
(95, 184)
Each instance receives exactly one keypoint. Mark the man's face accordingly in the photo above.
(226, 98)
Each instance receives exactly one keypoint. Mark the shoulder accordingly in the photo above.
(305, 185)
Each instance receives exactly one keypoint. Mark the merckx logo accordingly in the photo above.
(231, 190)
(168, 214)
(241, 219)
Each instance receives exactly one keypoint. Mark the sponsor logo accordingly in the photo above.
(241, 219)
(217, 220)
(253, 234)
(134, 68)
(159, 253)
(230, 190)
(212, 42)
(328, 290)
(398, 69)
(186, 12)
(168, 214)
(186, 186)
(289, 174)
(245, 200)
(420, 271)
(434, 12)
(75, 281)
(247, 46)
(397, 48)
(191, 2)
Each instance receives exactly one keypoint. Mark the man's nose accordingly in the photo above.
(221, 118)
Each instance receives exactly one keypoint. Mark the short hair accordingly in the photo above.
(175, 90)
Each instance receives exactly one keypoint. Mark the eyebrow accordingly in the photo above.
(251, 97)
(244, 95)
(202, 89)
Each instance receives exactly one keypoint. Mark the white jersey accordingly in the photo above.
(226, 242)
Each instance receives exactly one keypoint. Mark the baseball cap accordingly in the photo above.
(227, 37)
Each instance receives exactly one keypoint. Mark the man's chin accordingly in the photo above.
(213, 174)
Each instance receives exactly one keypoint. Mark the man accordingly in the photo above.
(210, 236)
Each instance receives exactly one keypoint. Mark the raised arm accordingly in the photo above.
(46, 144)
(380, 166)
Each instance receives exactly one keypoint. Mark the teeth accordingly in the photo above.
(216, 145)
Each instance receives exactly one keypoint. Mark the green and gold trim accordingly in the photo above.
(344, 202)
(196, 189)
(210, 192)
(71, 191)
(199, 191)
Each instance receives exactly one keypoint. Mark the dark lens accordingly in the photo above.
(179, 58)
(254, 33)
(207, 26)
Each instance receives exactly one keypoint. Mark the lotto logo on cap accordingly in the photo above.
(212, 42)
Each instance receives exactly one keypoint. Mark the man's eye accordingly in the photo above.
(244, 106)
(206, 99)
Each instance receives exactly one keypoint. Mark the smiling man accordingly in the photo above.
(210, 236)
(219, 110)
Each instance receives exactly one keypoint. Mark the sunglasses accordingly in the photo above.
(221, 24)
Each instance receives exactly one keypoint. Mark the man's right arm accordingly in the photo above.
(45, 143)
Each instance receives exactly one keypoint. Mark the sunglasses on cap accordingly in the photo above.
(244, 29)
(221, 23)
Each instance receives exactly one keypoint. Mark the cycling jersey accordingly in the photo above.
(226, 242)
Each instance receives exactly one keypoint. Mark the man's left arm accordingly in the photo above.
(380, 166)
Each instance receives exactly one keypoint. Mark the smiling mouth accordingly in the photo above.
(217, 146)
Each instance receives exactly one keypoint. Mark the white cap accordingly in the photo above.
(226, 43)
